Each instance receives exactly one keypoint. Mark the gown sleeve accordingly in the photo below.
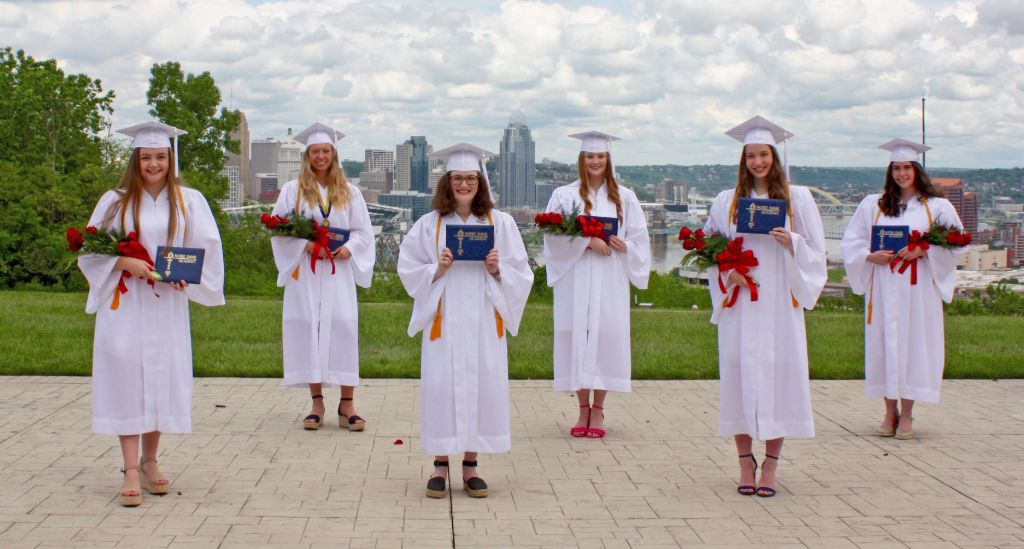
(98, 268)
(717, 223)
(417, 264)
(203, 233)
(288, 251)
(856, 245)
(361, 240)
(509, 296)
(807, 272)
(638, 242)
(943, 260)
(562, 252)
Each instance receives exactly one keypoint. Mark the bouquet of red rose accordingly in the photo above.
(946, 236)
(108, 242)
(304, 228)
(569, 224)
(703, 249)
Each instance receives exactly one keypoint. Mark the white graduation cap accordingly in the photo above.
(319, 133)
(594, 141)
(468, 158)
(761, 131)
(902, 150)
(154, 135)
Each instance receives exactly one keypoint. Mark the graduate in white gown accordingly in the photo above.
(762, 345)
(466, 310)
(142, 348)
(320, 315)
(591, 279)
(904, 342)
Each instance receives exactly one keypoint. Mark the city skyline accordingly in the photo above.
(668, 76)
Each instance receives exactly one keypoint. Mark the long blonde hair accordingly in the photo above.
(778, 186)
(609, 181)
(130, 197)
(337, 185)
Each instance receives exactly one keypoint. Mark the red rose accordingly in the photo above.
(75, 240)
(265, 218)
(965, 238)
(699, 244)
(684, 233)
(91, 230)
(271, 222)
(699, 233)
(282, 220)
(688, 244)
(556, 218)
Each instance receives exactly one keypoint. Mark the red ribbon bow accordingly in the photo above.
(131, 247)
(735, 257)
(915, 242)
(320, 242)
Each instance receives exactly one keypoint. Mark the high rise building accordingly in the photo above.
(544, 192)
(417, 203)
(241, 174)
(378, 160)
(289, 160)
(235, 194)
(516, 166)
(403, 163)
(419, 164)
(966, 203)
(264, 155)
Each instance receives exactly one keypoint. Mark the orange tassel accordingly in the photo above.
(500, 324)
(435, 329)
(871, 296)
(295, 274)
(117, 300)
(795, 303)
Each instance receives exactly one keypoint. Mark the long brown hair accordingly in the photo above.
(778, 186)
(889, 202)
(609, 181)
(130, 196)
(337, 185)
(444, 197)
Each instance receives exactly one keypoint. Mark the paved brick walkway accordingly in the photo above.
(250, 476)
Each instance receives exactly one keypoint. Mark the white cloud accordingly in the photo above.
(667, 75)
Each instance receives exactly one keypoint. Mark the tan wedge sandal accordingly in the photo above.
(353, 422)
(130, 497)
(312, 422)
(155, 486)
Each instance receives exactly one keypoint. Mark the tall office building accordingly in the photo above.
(419, 164)
(403, 163)
(378, 160)
(516, 166)
(238, 164)
(264, 155)
(289, 160)
(966, 203)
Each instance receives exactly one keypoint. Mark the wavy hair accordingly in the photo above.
(444, 197)
(337, 185)
(889, 202)
(130, 191)
(609, 181)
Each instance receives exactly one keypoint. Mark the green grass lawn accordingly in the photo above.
(50, 334)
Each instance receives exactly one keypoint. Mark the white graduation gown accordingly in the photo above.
(904, 346)
(142, 351)
(764, 387)
(591, 293)
(320, 315)
(464, 373)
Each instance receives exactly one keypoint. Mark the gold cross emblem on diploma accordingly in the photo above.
(752, 208)
(459, 236)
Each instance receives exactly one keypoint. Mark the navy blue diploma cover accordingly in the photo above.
(611, 225)
(180, 264)
(469, 242)
(889, 237)
(338, 238)
(760, 215)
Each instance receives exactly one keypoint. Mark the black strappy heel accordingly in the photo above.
(353, 423)
(746, 489)
(766, 491)
(312, 422)
(436, 485)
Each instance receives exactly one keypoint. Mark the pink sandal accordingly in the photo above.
(596, 432)
(580, 432)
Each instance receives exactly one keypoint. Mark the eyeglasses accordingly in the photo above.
(470, 180)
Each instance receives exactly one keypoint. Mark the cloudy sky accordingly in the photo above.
(668, 76)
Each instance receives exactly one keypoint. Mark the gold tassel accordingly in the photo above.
(500, 324)
(795, 302)
(871, 296)
(295, 274)
(435, 330)
(117, 300)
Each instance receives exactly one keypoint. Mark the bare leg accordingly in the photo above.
(348, 407)
(318, 403)
(771, 448)
(748, 466)
(469, 472)
(888, 426)
(597, 415)
(583, 396)
(440, 470)
(130, 454)
(906, 415)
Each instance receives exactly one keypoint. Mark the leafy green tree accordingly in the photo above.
(49, 118)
